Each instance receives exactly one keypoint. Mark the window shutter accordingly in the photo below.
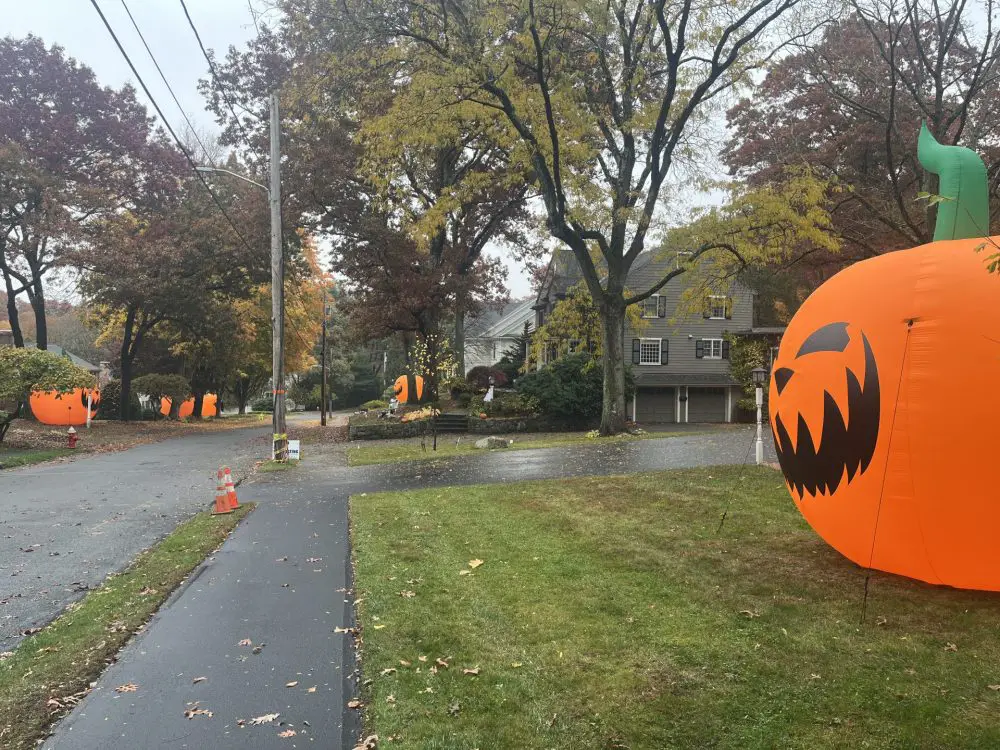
(729, 308)
(725, 349)
(664, 351)
(635, 351)
(699, 349)
(706, 311)
(661, 306)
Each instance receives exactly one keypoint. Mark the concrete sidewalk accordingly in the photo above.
(281, 581)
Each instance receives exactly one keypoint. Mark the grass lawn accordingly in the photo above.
(50, 671)
(13, 459)
(448, 445)
(609, 613)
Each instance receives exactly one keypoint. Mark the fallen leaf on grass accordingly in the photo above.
(749, 614)
(402, 662)
(8, 654)
(517, 665)
(473, 564)
(379, 627)
(390, 699)
(443, 663)
(951, 647)
(130, 687)
(474, 672)
(993, 687)
(407, 594)
(421, 658)
(368, 743)
(265, 719)
(287, 733)
(388, 671)
(427, 689)
(291, 684)
(147, 592)
(464, 572)
(354, 704)
(246, 642)
(196, 680)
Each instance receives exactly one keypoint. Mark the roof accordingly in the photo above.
(78, 361)
(763, 331)
(644, 379)
(509, 319)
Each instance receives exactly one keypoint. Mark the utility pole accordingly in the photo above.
(280, 445)
(322, 388)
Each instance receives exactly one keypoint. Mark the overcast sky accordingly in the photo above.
(75, 26)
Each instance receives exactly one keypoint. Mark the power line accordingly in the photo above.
(159, 70)
(215, 76)
(166, 123)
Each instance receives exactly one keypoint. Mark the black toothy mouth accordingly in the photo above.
(844, 446)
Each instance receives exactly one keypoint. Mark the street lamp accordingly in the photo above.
(759, 378)
(279, 445)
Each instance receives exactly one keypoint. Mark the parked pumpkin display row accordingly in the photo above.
(70, 409)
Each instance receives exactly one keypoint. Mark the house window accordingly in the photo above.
(649, 351)
(710, 349)
(717, 307)
(653, 308)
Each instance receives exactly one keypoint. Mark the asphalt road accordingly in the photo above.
(65, 527)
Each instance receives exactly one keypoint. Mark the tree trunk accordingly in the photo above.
(613, 406)
(199, 400)
(12, 314)
(38, 306)
(459, 346)
(124, 412)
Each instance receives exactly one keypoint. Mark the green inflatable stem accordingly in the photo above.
(964, 211)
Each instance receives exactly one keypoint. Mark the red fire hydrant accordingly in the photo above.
(72, 437)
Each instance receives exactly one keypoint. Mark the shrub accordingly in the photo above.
(480, 377)
(505, 405)
(111, 398)
(264, 403)
(375, 405)
(570, 389)
(461, 391)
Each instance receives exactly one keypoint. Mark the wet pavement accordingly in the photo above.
(281, 582)
(64, 527)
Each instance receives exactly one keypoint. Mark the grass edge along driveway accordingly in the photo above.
(366, 453)
(50, 671)
(607, 612)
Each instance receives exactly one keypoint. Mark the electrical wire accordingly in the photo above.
(166, 83)
(215, 76)
(170, 129)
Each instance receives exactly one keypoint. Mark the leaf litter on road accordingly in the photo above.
(265, 719)
(129, 687)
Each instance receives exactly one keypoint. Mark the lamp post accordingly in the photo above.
(759, 378)
(279, 446)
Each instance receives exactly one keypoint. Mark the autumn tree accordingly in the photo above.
(850, 106)
(602, 101)
(422, 201)
(70, 150)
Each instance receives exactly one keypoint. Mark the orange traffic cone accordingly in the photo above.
(234, 503)
(221, 497)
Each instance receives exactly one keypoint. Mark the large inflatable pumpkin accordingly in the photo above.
(209, 406)
(884, 399)
(409, 389)
(51, 407)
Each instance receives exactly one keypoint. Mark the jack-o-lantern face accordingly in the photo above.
(826, 414)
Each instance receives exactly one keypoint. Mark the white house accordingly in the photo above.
(493, 332)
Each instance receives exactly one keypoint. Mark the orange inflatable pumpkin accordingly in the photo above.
(50, 407)
(884, 408)
(409, 389)
(209, 406)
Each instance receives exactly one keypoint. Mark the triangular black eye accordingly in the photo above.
(781, 377)
(829, 338)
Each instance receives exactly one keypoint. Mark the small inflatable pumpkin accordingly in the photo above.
(884, 407)
(209, 406)
(409, 389)
(51, 407)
